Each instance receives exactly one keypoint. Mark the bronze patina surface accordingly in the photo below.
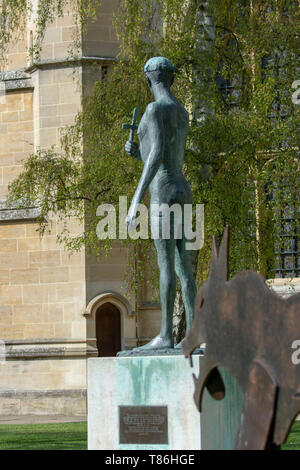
(249, 330)
(162, 134)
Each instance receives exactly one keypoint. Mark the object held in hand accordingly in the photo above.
(132, 127)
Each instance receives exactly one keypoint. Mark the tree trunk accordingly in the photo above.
(205, 33)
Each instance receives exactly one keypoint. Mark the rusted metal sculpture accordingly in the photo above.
(249, 330)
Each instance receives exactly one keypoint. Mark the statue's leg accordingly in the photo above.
(184, 271)
(166, 260)
(167, 286)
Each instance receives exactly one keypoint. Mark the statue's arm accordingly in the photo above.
(155, 131)
(155, 134)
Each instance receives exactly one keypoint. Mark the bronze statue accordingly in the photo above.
(162, 133)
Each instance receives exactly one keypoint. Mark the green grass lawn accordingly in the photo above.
(293, 442)
(54, 436)
(73, 436)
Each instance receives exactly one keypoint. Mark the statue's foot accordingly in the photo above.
(159, 342)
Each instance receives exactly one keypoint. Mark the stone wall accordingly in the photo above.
(57, 100)
(42, 287)
(43, 290)
(16, 133)
(100, 38)
(45, 402)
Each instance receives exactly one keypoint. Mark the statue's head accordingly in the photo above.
(159, 70)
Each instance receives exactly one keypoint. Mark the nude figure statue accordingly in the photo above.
(162, 133)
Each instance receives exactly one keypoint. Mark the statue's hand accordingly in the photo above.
(131, 216)
(132, 149)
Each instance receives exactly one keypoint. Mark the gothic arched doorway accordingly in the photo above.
(108, 330)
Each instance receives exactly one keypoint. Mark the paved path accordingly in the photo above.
(40, 419)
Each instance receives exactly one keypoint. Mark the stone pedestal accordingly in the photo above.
(153, 381)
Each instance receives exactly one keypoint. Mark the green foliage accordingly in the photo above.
(242, 160)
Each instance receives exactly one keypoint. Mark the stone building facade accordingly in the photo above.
(55, 308)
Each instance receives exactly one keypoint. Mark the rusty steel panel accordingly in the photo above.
(249, 330)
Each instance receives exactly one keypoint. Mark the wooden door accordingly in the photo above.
(108, 330)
